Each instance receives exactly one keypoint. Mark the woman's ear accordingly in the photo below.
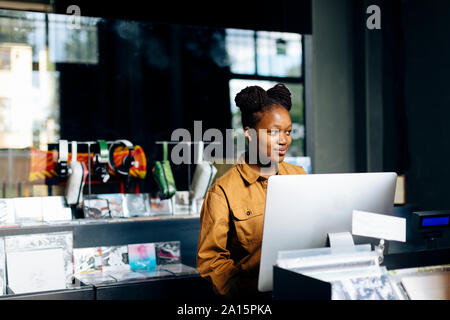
(247, 134)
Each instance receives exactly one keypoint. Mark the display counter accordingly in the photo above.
(177, 288)
(116, 232)
(84, 292)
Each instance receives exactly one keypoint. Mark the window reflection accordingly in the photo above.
(29, 93)
(279, 54)
(73, 44)
(240, 46)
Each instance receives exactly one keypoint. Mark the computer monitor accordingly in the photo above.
(302, 209)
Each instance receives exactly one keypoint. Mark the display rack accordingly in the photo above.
(112, 232)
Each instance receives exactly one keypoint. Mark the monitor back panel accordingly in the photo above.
(302, 209)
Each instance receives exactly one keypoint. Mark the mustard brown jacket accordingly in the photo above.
(231, 218)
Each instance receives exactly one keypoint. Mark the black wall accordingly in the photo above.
(281, 15)
(426, 26)
(416, 99)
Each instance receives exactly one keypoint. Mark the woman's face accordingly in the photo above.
(273, 134)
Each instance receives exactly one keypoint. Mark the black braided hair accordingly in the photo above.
(253, 101)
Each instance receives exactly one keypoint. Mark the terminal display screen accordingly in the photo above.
(435, 221)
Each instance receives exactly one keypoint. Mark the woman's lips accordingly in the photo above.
(282, 152)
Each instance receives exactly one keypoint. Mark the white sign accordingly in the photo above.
(379, 226)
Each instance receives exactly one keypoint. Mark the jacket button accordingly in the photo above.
(249, 213)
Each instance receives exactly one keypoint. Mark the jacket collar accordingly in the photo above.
(251, 176)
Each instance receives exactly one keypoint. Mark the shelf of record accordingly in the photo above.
(46, 262)
(116, 207)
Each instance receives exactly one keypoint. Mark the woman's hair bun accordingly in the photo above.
(281, 95)
(252, 99)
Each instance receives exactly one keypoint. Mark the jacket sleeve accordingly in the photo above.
(213, 258)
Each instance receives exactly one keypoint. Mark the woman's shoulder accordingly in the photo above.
(288, 168)
(227, 178)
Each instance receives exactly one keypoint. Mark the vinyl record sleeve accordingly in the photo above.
(365, 288)
(38, 241)
(142, 256)
(136, 205)
(167, 252)
(36, 270)
(182, 203)
(95, 208)
(160, 207)
(54, 209)
(115, 202)
(115, 258)
(28, 209)
(87, 260)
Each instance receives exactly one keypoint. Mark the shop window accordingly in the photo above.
(73, 44)
(265, 59)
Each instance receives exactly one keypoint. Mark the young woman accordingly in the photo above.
(229, 247)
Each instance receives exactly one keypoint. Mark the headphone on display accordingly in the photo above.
(62, 166)
(101, 160)
(127, 162)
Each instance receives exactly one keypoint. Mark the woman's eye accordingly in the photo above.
(288, 132)
(273, 132)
